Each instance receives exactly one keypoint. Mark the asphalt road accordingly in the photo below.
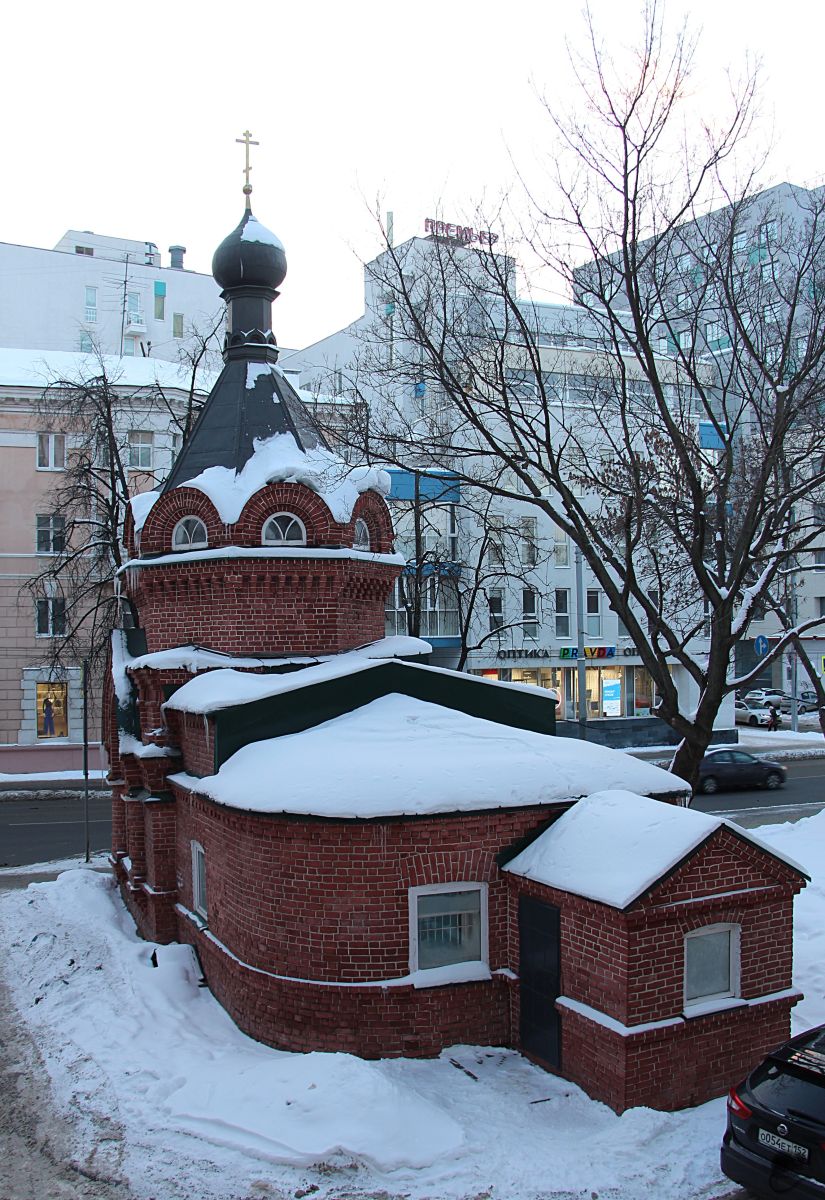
(41, 827)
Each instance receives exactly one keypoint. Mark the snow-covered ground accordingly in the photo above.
(164, 1092)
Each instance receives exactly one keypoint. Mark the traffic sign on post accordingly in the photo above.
(760, 645)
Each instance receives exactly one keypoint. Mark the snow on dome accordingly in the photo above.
(614, 844)
(254, 231)
(422, 759)
(279, 459)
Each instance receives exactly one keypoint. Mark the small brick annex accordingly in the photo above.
(309, 936)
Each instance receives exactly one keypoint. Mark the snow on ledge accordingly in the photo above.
(600, 1018)
(129, 744)
(219, 552)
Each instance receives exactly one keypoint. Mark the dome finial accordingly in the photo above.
(246, 141)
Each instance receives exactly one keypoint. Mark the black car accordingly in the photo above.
(774, 1144)
(736, 768)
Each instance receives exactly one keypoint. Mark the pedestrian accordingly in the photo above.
(773, 720)
(48, 717)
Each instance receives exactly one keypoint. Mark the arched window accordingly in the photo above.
(189, 534)
(362, 535)
(284, 529)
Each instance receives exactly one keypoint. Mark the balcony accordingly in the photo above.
(135, 322)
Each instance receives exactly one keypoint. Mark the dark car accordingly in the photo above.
(774, 1144)
(721, 769)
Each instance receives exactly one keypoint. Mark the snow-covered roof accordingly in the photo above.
(402, 756)
(37, 368)
(279, 459)
(613, 845)
(226, 688)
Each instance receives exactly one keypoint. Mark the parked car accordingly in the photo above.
(805, 701)
(721, 769)
(751, 714)
(774, 1144)
(764, 696)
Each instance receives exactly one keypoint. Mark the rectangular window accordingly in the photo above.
(134, 311)
(91, 305)
(51, 616)
(561, 548)
(495, 544)
(160, 300)
(50, 533)
(593, 624)
(177, 325)
(199, 880)
(685, 338)
(820, 606)
(51, 451)
(85, 343)
(130, 347)
(711, 963)
(52, 710)
(767, 233)
(495, 603)
(527, 531)
(562, 600)
(448, 925)
(140, 449)
(740, 243)
(529, 622)
(87, 250)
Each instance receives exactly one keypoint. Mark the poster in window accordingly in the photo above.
(52, 710)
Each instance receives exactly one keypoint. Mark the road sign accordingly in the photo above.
(760, 645)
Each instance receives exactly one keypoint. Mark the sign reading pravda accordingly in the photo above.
(460, 233)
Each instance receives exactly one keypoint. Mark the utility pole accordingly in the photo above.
(581, 662)
(85, 671)
(123, 302)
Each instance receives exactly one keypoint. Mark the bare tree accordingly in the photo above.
(671, 424)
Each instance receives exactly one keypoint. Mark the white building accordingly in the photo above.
(538, 610)
(104, 291)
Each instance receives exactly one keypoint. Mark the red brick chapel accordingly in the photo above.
(377, 856)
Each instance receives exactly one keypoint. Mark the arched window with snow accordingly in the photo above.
(284, 529)
(189, 534)
(361, 540)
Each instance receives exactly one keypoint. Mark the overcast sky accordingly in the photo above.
(122, 118)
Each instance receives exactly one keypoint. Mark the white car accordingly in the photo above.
(751, 714)
(764, 696)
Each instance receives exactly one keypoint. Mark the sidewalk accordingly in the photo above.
(781, 745)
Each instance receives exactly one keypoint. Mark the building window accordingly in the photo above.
(85, 343)
(160, 300)
(561, 548)
(711, 964)
(767, 233)
(140, 449)
(50, 533)
(529, 622)
(177, 325)
(820, 606)
(527, 531)
(593, 621)
(562, 602)
(199, 880)
(134, 310)
(52, 710)
(91, 305)
(448, 925)
(51, 616)
(177, 442)
(685, 339)
(130, 347)
(495, 543)
(361, 541)
(189, 534)
(283, 529)
(740, 243)
(87, 250)
(495, 603)
(51, 451)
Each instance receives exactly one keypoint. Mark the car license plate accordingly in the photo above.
(774, 1142)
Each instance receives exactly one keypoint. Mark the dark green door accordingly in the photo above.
(540, 979)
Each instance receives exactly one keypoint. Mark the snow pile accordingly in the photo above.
(613, 845)
(422, 759)
(162, 1088)
(279, 459)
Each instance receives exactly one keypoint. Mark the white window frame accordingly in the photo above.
(593, 616)
(361, 535)
(49, 460)
(431, 889)
(564, 614)
(528, 537)
(50, 602)
(495, 606)
(51, 525)
(199, 890)
(139, 440)
(270, 541)
(191, 544)
(529, 619)
(734, 967)
(177, 325)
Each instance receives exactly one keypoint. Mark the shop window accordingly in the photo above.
(711, 964)
(448, 925)
(189, 534)
(284, 529)
(52, 710)
(199, 880)
(51, 451)
(562, 612)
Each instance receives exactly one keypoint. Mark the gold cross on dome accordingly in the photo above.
(246, 141)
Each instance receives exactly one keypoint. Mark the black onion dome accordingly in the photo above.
(251, 256)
